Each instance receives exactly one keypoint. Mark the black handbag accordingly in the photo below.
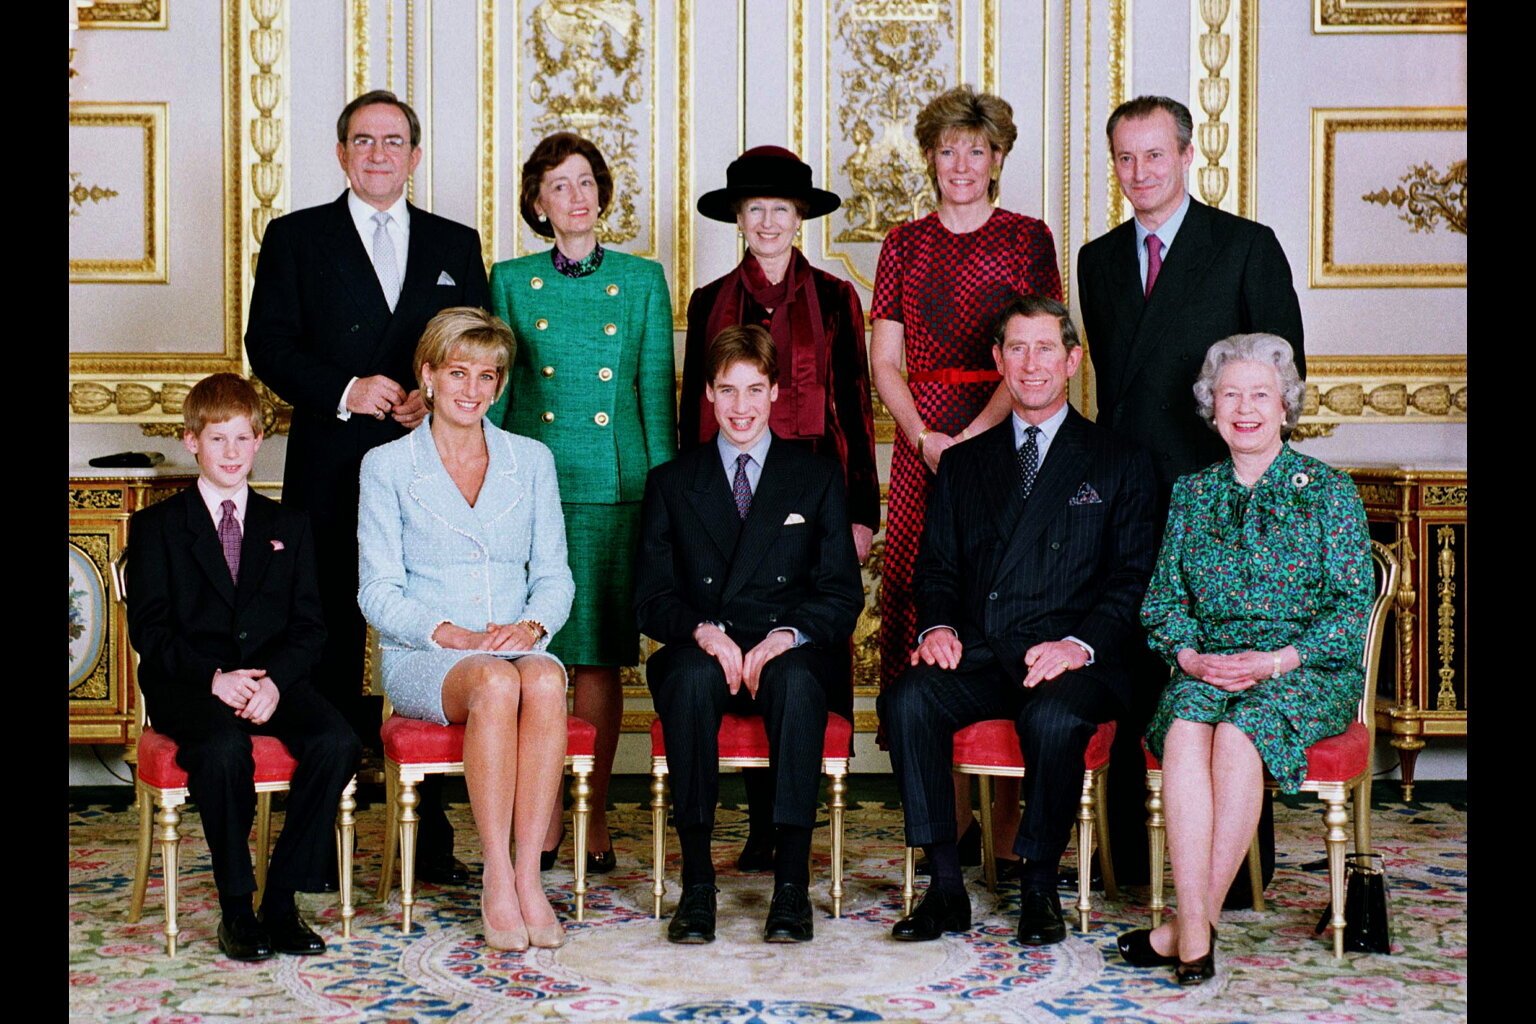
(1367, 928)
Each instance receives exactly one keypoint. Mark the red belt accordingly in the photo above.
(953, 376)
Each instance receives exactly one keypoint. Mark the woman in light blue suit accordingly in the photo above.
(462, 570)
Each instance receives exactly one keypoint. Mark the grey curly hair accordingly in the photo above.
(1254, 348)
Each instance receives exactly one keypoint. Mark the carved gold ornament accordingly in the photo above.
(80, 194)
(131, 14)
(1445, 697)
(1430, 197)
(1389, 16)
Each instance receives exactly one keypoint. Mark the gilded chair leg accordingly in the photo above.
(391, 829)
(141, 858)
(407, 801)
(168, 819)
(908, 880)
(1256, 874)
(658, 840)
(988, 862)
(581, 817)
(263, 843)
(1363, 815)
(837, 799)
(1336, 818)
(346, 826)
(1157, 839)
(1084, 851)
(1101, 817)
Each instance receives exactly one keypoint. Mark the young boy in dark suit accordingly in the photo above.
(224, 611)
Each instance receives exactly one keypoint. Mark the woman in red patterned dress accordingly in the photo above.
(941, 281)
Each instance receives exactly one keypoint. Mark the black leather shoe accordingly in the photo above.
(694, 919)
(789, 916)
(970, 850)
(1200, 969)
(939, 912)
(442, 869)
(601, 863)
(547, 857)
(290, 934)
(757, 855)
(1040, 922)
(244, 939)
(1136, 950)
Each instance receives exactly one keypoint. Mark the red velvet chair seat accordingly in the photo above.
(412, 741)
(1335, 759)
(747, 736)
(995, 744)
(158, 767)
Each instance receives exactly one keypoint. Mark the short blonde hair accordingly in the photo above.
(964, 111)
(1270, 349)
(466, 332)
(219, 398)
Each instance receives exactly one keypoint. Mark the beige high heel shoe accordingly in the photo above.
(513, 939)
(546, 936)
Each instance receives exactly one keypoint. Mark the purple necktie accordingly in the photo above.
(741, 487)
(229, 538)
(1154, 262)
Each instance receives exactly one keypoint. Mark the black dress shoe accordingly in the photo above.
(547, 857)
(939, 912)
(290, 934)
(442, 869)
(757, 855)
(1040, 922)
(1136, 950)
(601, 863)
(243, 938)
(789, 916)
(970, 850)
(1200, 969)
(694, 919)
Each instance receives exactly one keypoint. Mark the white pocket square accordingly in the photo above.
(794, 518)
(443, 278)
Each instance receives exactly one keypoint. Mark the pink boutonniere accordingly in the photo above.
(277, 545)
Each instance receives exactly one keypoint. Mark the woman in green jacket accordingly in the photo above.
(593, 379)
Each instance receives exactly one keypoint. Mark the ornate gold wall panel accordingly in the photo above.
(1223, 93)
(1389, 16)
(132, 14)
(1376, 389)
(144, 259)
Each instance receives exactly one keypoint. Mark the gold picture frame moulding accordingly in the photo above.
(1346, 16)
(1323, 270)
(153, 266)
(132, 14)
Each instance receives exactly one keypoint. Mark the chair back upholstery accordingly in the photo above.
(1387, 569)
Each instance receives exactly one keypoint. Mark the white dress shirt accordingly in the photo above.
(214, 499)
(1165, 233)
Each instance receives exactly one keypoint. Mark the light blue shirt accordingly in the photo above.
(758, 452)
(1169, 228)
(1047, 433)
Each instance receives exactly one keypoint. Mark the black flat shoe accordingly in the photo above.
(789, 916)
(1200, 969)
(290, 934)
(442, 869)
(1136, 950)
(1040, 921)
(970, 850)
(547, 857)
(601, 863)
(694, 919)
(243, 938)
(756, 855)
(939, 912)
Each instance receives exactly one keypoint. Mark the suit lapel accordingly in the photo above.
(1060, 475)
(710, 497)
(206, 549)
(503, 489)
(355, 270)
(771, 504)
(255, 547)
(422, 264)
(1183, 270)
(434, 490)
(1124, 291)
(1001, 488)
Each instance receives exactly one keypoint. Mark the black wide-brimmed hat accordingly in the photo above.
(769, 172)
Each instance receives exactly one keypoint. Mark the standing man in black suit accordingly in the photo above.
(224, 611)
(1036, 550)
(342, 294)
(1155, 293)
(747, 574)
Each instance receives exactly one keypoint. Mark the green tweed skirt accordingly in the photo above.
(601, 541)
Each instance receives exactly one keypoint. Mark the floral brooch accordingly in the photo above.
(1300, 480)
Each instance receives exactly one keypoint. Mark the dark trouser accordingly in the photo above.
(1055, 721)
(758, 782)
(689, 691)
(215, 751)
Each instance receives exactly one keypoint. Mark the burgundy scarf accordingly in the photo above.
(799, 334)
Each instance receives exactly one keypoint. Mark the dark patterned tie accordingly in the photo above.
(1029, 460)
(1154, 262)
(741, 487)
(229, 538)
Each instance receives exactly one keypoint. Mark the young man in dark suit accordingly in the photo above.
(1155, 293)
(1036, 550)
(342, 294)
(224, 611)
(747, 574)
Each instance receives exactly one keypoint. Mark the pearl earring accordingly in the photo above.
(429, 392)
(542, 218)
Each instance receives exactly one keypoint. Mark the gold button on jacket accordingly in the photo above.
(605, 374)
(601, 419)
(548, 417)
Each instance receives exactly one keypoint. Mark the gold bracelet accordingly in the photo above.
(537, 628)
(922, 435)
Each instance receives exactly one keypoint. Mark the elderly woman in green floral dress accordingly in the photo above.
(1259, 601)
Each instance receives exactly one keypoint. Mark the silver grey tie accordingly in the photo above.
(384, 262)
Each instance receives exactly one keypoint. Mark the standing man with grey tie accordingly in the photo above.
(342, 294)
(1155, 293)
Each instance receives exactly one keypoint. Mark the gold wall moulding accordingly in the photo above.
(81, 193)
(268, 176)
(1389, 16)
(1431, 196)
(154, 401)
(132, 14)
(1223, 31)
(1340, 194)
(147, 265)
(1363, 389)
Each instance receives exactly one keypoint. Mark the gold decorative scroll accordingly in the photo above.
(1119, 75)
(1358, 389)
(131, 14)
(80, 193)
(488, 179)
(268, 176)
(355, 42)
(1445, 633)
(1223, 42)
(1431, 196)
(1389, 16)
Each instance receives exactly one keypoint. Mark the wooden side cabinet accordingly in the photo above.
(102, 706)
(1424, 688)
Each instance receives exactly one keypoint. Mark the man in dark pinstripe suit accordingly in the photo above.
(1037, 547)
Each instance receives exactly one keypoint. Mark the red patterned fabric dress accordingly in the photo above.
(944, 289)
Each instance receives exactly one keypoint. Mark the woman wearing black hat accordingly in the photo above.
(817, 323)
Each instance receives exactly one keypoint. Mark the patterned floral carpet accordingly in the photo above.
(617, 967)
